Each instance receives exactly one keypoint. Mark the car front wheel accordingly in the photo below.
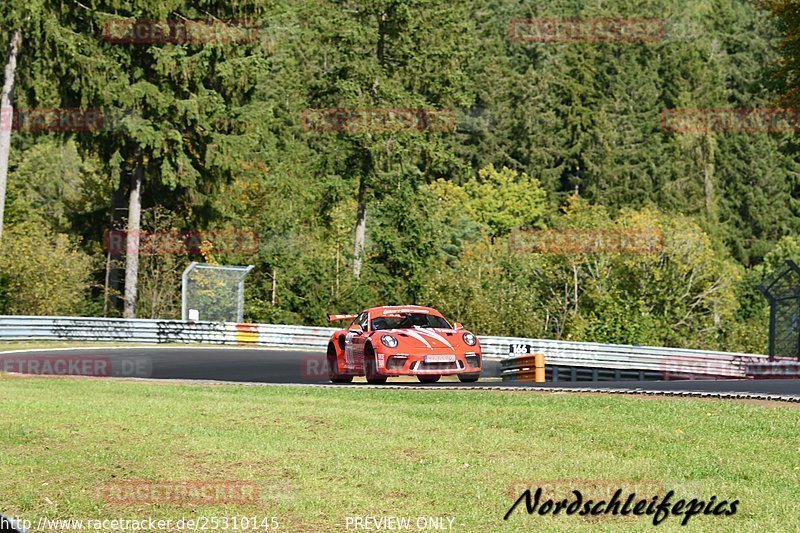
(333, 368)
(371, 368)
(469, 378)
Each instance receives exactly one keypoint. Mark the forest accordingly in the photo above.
(289, 120)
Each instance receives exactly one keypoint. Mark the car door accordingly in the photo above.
(355, 339)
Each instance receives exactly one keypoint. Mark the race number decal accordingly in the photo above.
(519, 349)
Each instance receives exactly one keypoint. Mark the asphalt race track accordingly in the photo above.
(285, 366)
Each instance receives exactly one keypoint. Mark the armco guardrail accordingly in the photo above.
(615, 361)
(558, 354)
(21, 328)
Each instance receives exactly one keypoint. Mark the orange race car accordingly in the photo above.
(407, 340)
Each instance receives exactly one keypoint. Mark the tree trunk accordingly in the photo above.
(107, 284)
(132, 240)
(368, 163)
(708, 178)
(274, 284)
(361, 227)
(113, 287)
(6, 119)
(338, 254)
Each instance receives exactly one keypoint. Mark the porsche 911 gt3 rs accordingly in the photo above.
(410, 340)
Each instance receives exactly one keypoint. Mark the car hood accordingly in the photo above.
(426, 339)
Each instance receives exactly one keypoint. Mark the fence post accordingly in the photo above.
(538, 366)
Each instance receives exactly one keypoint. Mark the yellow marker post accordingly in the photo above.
(538, 366)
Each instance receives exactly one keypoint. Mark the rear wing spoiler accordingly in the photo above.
(339, 318)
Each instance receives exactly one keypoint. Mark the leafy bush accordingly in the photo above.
(41, 272)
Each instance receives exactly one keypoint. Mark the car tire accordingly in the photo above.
(371, 367)
(428, 379)
(333, 367)
(469, 378)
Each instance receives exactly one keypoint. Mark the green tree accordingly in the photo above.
(504, 199)
(389, 54)
(42, 272)
(786, 69)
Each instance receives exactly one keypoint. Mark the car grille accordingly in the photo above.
(431, 367)
(396, 362)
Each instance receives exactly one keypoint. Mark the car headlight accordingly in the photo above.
(469, 338)
(389, 341)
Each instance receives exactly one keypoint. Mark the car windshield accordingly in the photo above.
(409, 320)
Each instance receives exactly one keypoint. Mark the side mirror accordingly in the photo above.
(459, 325)
(356, 328)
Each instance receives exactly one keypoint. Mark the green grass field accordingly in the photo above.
(321, 455)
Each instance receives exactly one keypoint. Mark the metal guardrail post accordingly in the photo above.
(538, 365)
